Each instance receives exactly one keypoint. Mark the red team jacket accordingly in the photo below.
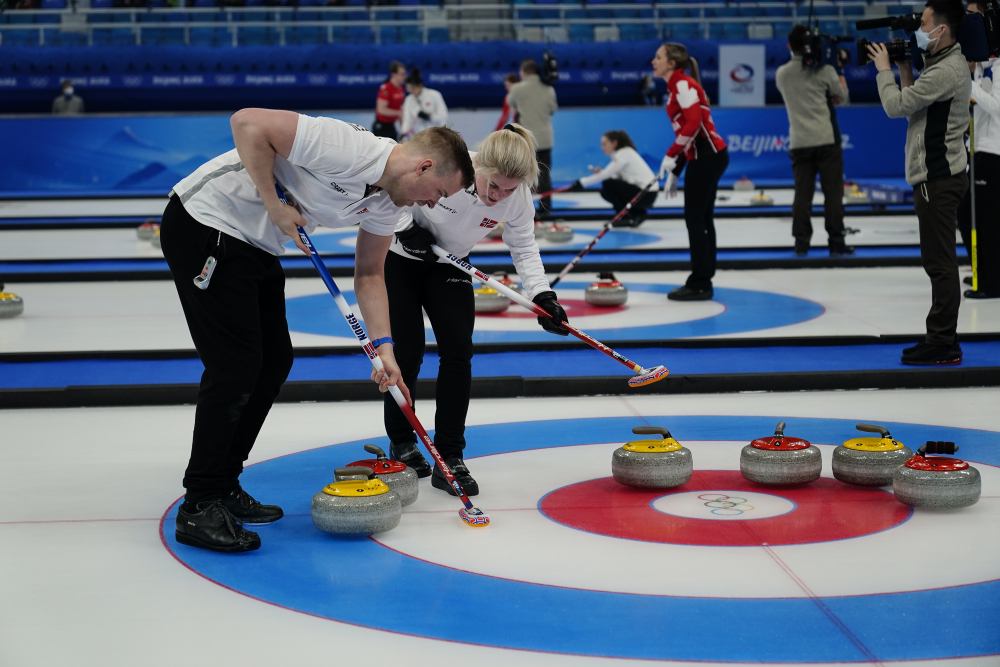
(392, 94)
(687, 107)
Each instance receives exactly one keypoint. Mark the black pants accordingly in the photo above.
(828, 162)
(239, 329)
(544, 179)
(619, 193)
(936, 204)
(380, 129)
(700, 186)
(446, 294)
(987, 222)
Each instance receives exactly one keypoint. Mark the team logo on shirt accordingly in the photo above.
(359, 128)
(488, 224)
(440, 205)
(339, 189)
(364, 210)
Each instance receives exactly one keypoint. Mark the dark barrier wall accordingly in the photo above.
(130, 155)
(341, 76)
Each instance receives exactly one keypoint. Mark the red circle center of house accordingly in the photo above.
(574, 308)
(826, 510)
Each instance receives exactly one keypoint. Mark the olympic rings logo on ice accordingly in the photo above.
(723, 505)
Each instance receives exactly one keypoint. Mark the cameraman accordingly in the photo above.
(936, 108)
(809, 96)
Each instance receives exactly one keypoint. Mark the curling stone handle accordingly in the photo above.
(874, 428)
(377, 451)
(779, 430)
(351, 471)
(651, 430)
(937, 447)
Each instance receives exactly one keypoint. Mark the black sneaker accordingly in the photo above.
(913, 349)
(461, 473)
(967, 280)
(212, 527)
(247, 510)
(408, 453)
(980, 294)
(934, 355)
(687, 293)
(841, 250)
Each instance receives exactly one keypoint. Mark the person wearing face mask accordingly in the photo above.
(936, 108)
(622, 179)
(419, 281)
(68, 103)
(424, 107)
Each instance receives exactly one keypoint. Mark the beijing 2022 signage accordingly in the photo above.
(741, 75)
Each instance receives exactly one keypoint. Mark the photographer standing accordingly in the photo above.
(936, 108)
(534, 102)
(809, 95)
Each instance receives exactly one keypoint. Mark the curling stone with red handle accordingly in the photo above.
(652, 463)
(146, 230)
(396, 474)
(607, 292)
(355, 506)
(936, 481)
(558, 233)
(780, 459)
(11, 305)
(869, 461)
(743, 185)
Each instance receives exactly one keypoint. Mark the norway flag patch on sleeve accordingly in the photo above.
(488, 224)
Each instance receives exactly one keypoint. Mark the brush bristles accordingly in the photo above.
(652, 376)
(474, 518)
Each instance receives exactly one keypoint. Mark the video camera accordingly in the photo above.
(550, 68)
(822, 50)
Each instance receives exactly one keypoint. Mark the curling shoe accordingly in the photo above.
(688, 293)
(408, 453)
(461, 473)
(841, 250)
(247, 510)
(934, 355)
(212, 527)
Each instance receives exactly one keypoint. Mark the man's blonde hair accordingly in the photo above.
(509, 152)
(447, 147)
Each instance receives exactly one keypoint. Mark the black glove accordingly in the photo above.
(547, 302)
(424, 115)
(576, 187)
(417, 241)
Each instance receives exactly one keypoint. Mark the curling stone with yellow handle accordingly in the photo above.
(156, 238)
(936, 481)
(488, 300)
(356, 506)
(780, 459)
(652, 463)
(397, 475)
(607, 292)
(762, 200)
(869, 461)
(11, 305)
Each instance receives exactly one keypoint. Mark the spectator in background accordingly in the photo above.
(68, 103)
(815, 144)
(645, 92)
(26, 4)
(534, 102)
(506, 114)
(424, 107)
(389, 103)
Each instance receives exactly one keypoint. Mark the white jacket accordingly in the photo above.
(429, 101)
(626, 164)
(987, 112)
(460, 221)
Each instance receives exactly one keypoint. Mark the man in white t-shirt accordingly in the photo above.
(334, 174)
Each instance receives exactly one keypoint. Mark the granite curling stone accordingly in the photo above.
(855, 195)
(761, 200)
(869, 461)
(507, 281)
(395, 474)
(488, 300)
(936, 481)
(11, 305)
(496, 232)
(743, 185)
(541, 229)
(607, 292)
(559, 233)
(652, 463)
(354, 506)
(146, 230)
(779, 459)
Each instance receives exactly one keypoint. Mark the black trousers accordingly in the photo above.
(619, 193)
(700, 187)
(544, 179)
(828, 162)
(239, 329)
(936, 205)
(446, 294)
(380, 129)
(987, 222)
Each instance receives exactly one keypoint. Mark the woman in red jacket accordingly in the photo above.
(703, 151)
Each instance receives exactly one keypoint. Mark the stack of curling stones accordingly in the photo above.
(358, 503)
(488, 300)
(652, 463)
(869, 461)
(607, 292)
(558, 233)
(395, 474)
(780, 459)
(936, 481)
(146, 230)
(11, 305)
